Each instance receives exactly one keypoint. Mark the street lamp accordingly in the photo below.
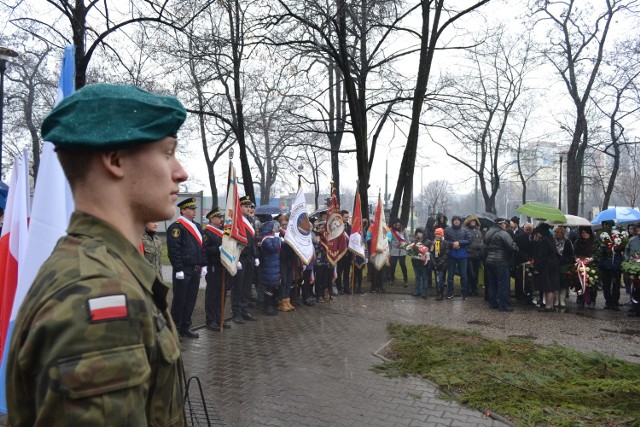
(5, 55)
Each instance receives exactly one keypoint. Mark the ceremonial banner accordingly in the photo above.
(356, 242)
(234, 239)
(335, 239)
(379, 246)
(298, 233)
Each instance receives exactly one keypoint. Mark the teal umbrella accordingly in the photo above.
(542, 212)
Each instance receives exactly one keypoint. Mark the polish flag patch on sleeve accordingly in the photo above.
(111, 307)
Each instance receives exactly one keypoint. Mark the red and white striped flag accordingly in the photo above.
(13, 244)
(379, 249)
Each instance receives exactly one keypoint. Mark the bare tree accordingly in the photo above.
(576, 47)
(354, 38)
(268, 127)
(437, 195)
(618, 99)
(483, 107)
(90, 23)
(627, 189)
(436, 18)
(32, 93)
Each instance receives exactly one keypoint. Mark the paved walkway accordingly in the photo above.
(312, 367)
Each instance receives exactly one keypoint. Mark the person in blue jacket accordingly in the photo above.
(458, 238)
(269, 271)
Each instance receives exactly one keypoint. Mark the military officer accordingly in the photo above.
(212, 240)
(243, 280)
(93, 343)
(152, 246)
(184, 247)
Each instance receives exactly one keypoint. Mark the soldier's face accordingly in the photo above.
(152, 226)
(189, 213)
(150, 176)
(216, 221)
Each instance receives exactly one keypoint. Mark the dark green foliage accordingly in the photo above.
(525, 382)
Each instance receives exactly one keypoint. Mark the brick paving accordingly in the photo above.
(312, 367)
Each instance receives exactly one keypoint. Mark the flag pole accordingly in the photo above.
(353, 256)
(223, 291)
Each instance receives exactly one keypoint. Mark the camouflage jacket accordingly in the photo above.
(93, 343)
(153, 250)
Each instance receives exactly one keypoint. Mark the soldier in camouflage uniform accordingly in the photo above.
(152, 246)
(93, 343)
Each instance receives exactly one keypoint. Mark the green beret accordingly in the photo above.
(110, 117)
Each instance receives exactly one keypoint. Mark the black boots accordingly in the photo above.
(440, 295)
(268, 307)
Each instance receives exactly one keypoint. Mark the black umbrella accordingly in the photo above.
(485, 218)
(267, 210)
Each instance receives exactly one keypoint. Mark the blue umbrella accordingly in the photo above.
(4, 189)
(617, 214)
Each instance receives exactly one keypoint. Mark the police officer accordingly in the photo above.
(212, 240)
(243, 280)
(93, 343)
(184, 247)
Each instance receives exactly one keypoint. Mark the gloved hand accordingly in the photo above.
(257, 262)
(239, 267)
(203, 272)
(282, 239)
(180, 275)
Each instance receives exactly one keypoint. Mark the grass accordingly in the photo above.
(527, 383)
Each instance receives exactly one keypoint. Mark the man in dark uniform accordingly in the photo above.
(93, 343)
(243, 280)
(212, 240)
(184, 247)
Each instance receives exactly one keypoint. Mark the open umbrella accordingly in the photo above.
(617, 214)
(267, 210)
(542, 212)
(485, 218)
(575, 221)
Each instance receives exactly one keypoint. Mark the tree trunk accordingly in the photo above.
(407, 166)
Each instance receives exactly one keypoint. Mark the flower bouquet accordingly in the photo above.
(616, 241)
(416, 250)
(588, 278)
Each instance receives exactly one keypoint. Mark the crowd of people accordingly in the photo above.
(540, 264)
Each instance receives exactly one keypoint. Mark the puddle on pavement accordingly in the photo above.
(632, 332)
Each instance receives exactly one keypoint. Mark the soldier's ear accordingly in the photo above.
(112, 162)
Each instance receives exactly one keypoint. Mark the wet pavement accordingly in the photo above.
(313, 366)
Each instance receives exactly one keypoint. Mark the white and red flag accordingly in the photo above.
(234, 239)
(356, 241)
(379, 245)
(52, 208)
(298, 233)
(13, 244)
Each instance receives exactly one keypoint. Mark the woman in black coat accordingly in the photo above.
(546, 265)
